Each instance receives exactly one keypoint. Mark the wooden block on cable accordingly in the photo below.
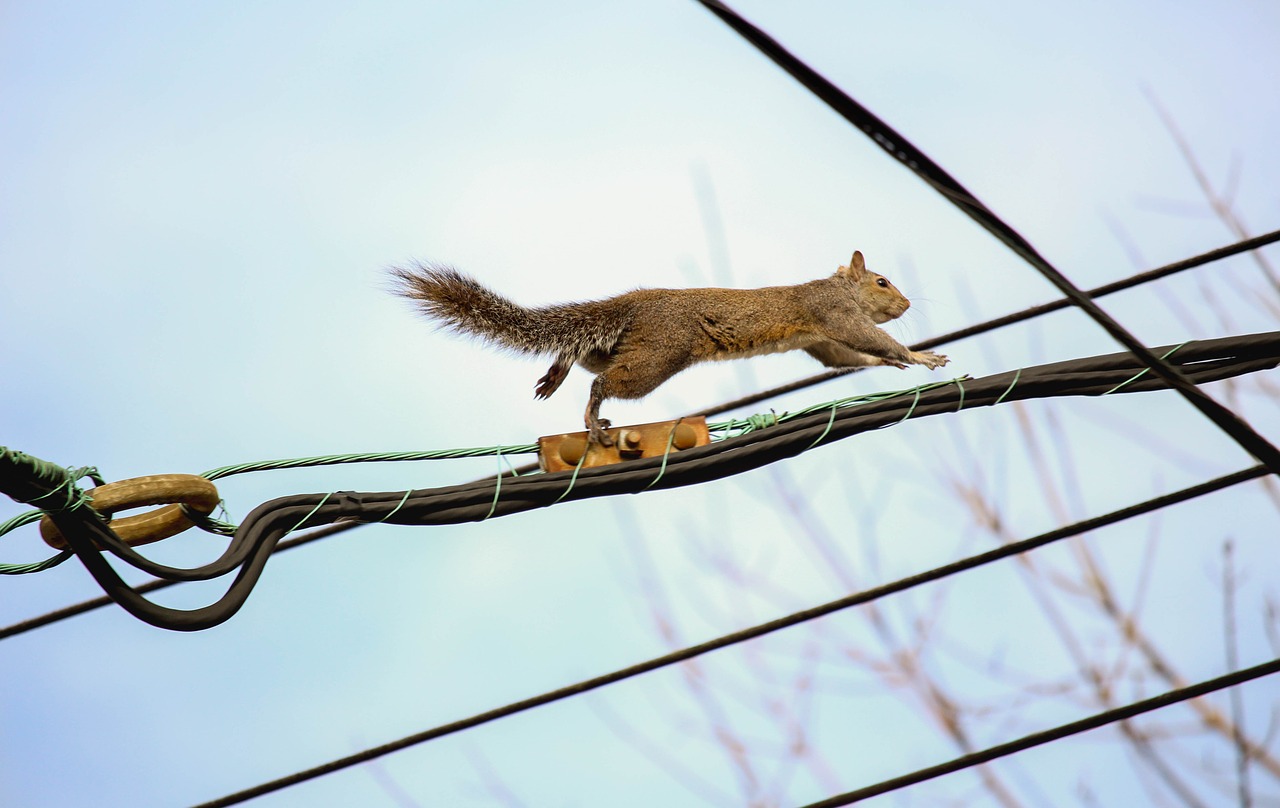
(565, 452)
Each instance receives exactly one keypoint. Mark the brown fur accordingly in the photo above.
(636, 341)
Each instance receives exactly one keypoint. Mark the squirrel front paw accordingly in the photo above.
(929, 359)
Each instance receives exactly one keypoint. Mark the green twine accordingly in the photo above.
(301, 521)
(1141, 373)
(910, 410)
(741, 426)
(394, 510)
(224, 528)
(208, 523)
(830, 422)
(762, 420)
(671, 439)
(1017, 375)
(34, 566)
(75, 497)
(574, 478)
(497, 488)
(20, 520)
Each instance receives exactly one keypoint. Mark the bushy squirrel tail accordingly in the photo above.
(463, 304)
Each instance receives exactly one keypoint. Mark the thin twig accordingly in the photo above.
(1233, 662)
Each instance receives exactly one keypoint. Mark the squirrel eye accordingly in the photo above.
(882, 282)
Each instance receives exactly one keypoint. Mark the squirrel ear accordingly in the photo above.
(857, 266)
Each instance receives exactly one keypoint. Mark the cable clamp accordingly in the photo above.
(573, 450)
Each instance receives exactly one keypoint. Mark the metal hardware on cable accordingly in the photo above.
(256, 538)
(565, 451)
(171, 491)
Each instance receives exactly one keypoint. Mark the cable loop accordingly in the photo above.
(168, 490)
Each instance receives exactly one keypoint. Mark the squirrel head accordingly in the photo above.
(880, 299)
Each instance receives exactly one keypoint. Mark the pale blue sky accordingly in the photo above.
(197, 202)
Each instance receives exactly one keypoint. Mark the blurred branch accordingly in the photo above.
(665, 760)
(388, 784)
(1233, 662)
(492, 783)
(1221, 205)
(940, 705)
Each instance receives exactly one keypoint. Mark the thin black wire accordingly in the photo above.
(1224, 418)
(906, 153)
(1023, 315)
(266, 525)
(1221, 416)
(754, 632)
(960, 196)
(1233, 679)
(902, 152)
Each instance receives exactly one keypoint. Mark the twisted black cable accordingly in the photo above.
(972, 330)
(1204, 361)
(91, 604)
(906, 153)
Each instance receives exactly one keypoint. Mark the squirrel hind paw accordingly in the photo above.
(596, 432)
(551, 381)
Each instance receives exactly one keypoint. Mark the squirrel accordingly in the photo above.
(637, 340)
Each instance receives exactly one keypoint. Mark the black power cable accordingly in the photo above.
(743, 635)
(906, 153)
(247, 556)
(1203, 361)
(979, 328)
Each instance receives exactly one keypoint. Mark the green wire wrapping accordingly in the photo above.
(74, 498)
(384, 457)
(723, 430)
(1142, 372)
(741, 426)
(35, 566)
